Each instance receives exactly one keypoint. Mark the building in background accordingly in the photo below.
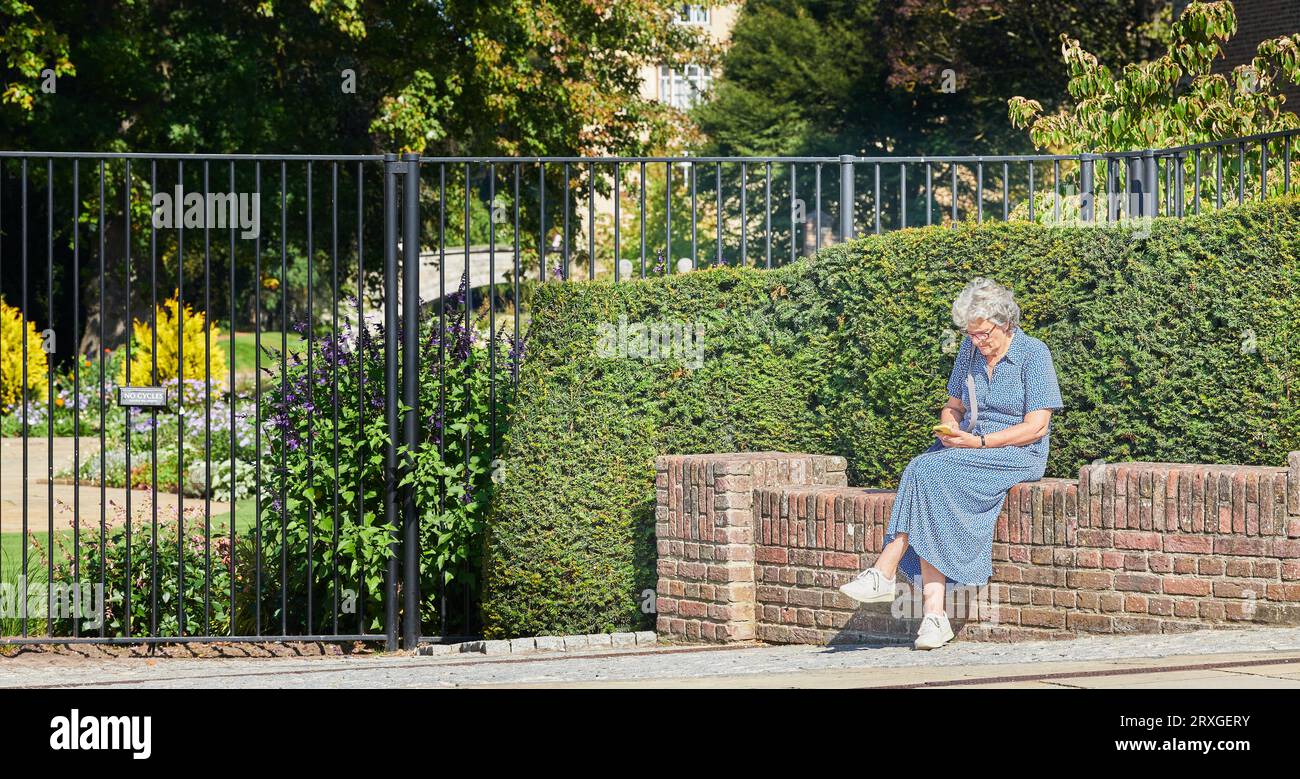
(682, 87)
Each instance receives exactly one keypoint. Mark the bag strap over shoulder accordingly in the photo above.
(970, 390)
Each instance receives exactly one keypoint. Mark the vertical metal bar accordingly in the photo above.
(930, 194)
(668, 217)
(103, 470)
(334, 376)
(442, 361)
(468, 324)
(1166, 164)
(153, 412)
(618, 224)
(514, 363)
(979, 192)
(1196, 181)
(541, 221)
(568, 193)
(1241, 172)
(180, 404)
(360, 362)
(695, 220)
(126, 245)
(902, 194)
(1112, 206)
(285, 410)
(718, 246)
(847, 197)
(411, 388)
(232, 398)
(492, 290)
(817, 205)
(591, 228)
(1056, 191)
(767, 211)
(1086, 200)
(311, 428)
(1006, 198)
(1218, 177)
(794, 189)
(1178, 183)
(1151, 184)
(744, 215)
(642, 219)
(207, 411)
(1286, 163)
(257, 411)
(876, 198)
(27, 316)
(390, 381)
(1031, 190)
(76, 402)
(1263, 168)
(954, 194)
(49, 409)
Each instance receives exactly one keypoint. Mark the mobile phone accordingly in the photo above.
(943, 429)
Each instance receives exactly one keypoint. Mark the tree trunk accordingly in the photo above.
(111, 310)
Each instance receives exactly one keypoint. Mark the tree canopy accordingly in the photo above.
(916, 76)
(1171, 100)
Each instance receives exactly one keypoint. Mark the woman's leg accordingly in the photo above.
(887, 562)
(933, 587)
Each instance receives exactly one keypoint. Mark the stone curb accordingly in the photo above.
(535, 644)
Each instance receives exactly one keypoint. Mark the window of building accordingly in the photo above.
(693, 14)
(683, 88)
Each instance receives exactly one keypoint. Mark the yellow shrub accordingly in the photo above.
(11, 359)
(195, 353)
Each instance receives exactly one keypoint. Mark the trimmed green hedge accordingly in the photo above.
(1172, 344)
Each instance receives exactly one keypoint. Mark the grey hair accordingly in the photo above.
(985, 299)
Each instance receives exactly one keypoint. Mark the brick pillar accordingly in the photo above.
(704, 523)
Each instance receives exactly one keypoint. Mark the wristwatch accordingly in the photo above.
(981, 440)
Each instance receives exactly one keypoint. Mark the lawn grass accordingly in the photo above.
(12, 546)
(246, 349)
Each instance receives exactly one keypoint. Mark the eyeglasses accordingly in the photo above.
(980, 335)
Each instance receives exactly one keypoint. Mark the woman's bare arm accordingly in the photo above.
(952, 412)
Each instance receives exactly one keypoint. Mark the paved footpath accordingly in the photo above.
(1254, 657)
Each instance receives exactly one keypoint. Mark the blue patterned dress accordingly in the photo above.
(949, 498)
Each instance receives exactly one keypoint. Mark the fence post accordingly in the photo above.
(1141, 192)
(411, 396)
(846, 197)
(1151, 205)
(390, 403)
(1086, 211)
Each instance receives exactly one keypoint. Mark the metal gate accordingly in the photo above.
(320, 468)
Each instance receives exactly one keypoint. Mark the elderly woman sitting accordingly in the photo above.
(999, 413)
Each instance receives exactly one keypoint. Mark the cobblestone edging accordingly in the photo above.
(533, 644)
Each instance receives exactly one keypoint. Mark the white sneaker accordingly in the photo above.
(870, 586)
(935, 631)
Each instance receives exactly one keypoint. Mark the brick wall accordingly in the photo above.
(704, 521)
(755, 546)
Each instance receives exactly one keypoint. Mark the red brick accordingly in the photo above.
(1136, 539)
(1178, 585)
(1188, 543)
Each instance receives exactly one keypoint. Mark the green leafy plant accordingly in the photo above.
(1172, 100)
(303, 489)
